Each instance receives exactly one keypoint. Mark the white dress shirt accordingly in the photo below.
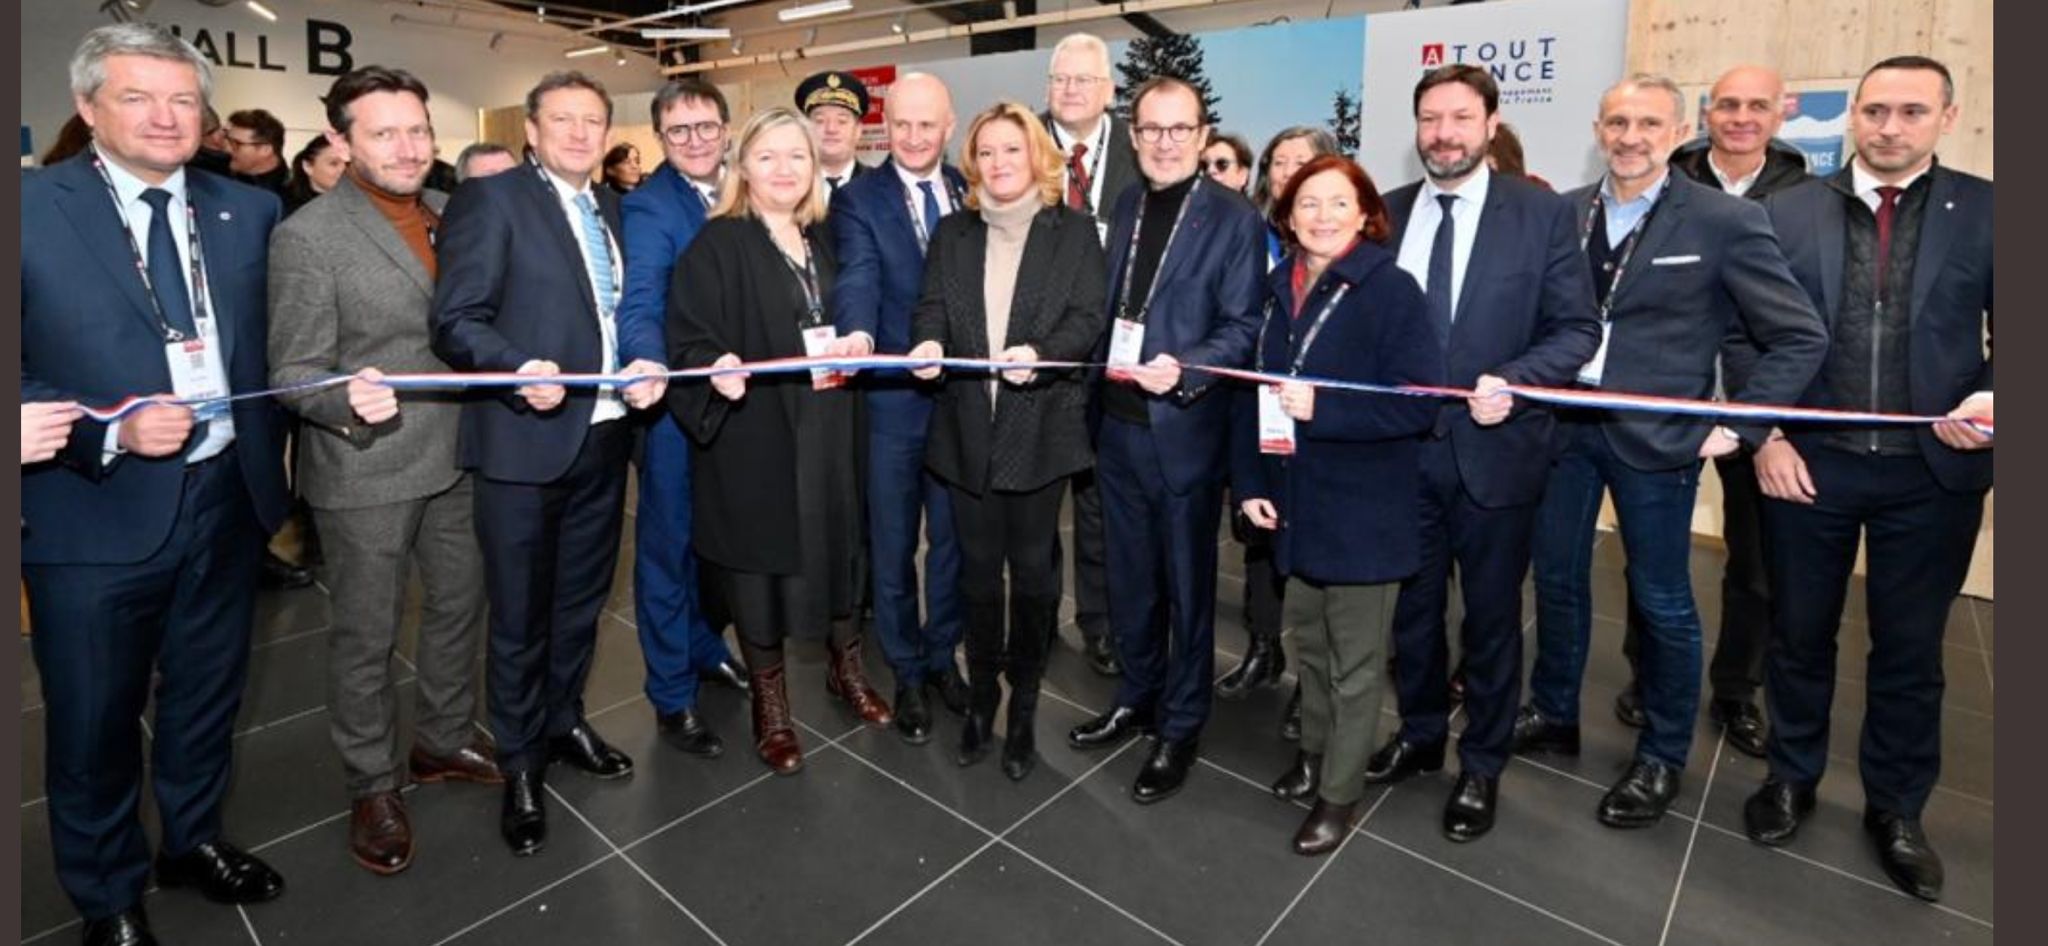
(937, 177)
(1737, 186)
(609, 406)
(1419, 239)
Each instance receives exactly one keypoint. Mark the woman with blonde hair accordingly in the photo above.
(776, 494)
(1019, 278)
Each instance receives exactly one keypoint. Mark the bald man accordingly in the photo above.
(882, 224)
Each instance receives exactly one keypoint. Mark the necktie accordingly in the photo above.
(166, 273)
(931, 209)
(1886, 210)
(598, 257)
(1438, 292)
(1078, 184)
(832, 185)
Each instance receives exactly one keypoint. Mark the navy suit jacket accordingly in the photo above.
(659, 219)
(1525, 313)
(881, 265)
(1950, 307)
(513, 288)
(89, 334)
(1205, 311)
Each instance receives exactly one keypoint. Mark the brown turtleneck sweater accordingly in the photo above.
(409, 216)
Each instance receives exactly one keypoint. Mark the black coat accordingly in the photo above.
(1038, 432)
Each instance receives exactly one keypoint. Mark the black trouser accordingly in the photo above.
(1091, 559)
(1738, 666)
(1021, 531)
(1263, 587)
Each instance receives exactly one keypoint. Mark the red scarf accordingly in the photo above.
(1300, 279)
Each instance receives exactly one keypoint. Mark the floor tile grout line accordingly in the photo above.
(1077, 885)
(921, 891)
(514, 905)
(1692, 840)
(296, 832)
(1299, 895)
(1468, 878)
(713, 803)
(52, 931)
(635, 865)
(248, 925)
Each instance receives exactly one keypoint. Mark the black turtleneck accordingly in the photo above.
(1160, 206)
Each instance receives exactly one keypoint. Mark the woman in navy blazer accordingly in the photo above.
(1336, 477)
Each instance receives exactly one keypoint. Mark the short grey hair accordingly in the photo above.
(89, 63)
(477, 150)
(1086, 41)
(1647, 80)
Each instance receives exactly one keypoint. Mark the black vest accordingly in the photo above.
(1867, 365)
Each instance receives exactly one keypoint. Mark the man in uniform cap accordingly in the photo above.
(835, 102)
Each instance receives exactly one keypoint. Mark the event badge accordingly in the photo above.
(194, 374)
(1276, 429)
(1126, 343)
(1590, 374)
(817, 340)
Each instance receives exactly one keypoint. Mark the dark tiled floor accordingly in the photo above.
(877, 841)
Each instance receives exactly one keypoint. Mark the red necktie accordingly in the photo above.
(1078, 184)
(1886, 210)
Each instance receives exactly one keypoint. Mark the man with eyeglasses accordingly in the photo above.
(1185, 282)
(660, 218)
(256, 150)
(1099, 166)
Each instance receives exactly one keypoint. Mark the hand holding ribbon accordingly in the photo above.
(1298, 400)
(1159, 376)
(1490, 402)
(542, 397)
(929, 349)
(1016, 354)
(158, 429)
(373, 401)
(647, 392)
(1964, 436)
(732, 386)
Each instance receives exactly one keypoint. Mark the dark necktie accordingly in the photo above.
(931, 209)
(1438, 292)
(1078, 184)
(1887, 209)
(832, 184)
(166, 273)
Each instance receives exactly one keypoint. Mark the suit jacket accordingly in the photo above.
(881, 265)
(1950, 307)
(514, 288)
(1205, 311)
(1119, 166)
(660, 218)
(1707, 265)
(1346, 498)
(89, 334)
(347, 293)
(1525, 313)
(1035, 433)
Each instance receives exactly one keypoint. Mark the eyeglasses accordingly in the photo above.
(705, 131)
(1220, 165)
(1180, 134)
(1082, 83)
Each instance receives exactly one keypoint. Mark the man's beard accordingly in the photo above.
(1440, 171)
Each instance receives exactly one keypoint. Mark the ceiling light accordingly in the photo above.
(809, 10)
(262, 11)
(738, 43)
(587, 51)
(898, 27)
(541, 13)
(686, 32)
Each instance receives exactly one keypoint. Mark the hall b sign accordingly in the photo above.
(327, 48)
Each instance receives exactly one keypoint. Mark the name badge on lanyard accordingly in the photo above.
(818, 334)
(1276, 428)
(1127, 334)
(1126, 342)
(818, 341)
(1591, 372)
(1596, 367)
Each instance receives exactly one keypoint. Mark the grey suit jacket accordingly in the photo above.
(346, 293)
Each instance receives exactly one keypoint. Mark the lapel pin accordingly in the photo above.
(224, 215)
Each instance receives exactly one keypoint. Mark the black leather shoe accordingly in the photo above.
(1468, 813)
(584, 749)
(726, 674)
(1300, 781)
(1020, 743)
(1290, 718)
(1262, 666)
(977, 736)
(1743, 723)
(129, 927)
(1324, 828)
(1536, 733)
(1628, 707)
(1772, 815)
(1109, 728)
(1165, 772)
(953, 691)
(278, 573)
(913, 715)
(687, 732)
(1102, 657)
(1907, 857)
(221, 871)
(1399, 759)
(1640, 798)
(524, 819)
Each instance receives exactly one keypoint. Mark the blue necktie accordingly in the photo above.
(1438, 292)
(598, 253)
(931, 210)
(166, 272)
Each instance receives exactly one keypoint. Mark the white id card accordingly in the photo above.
(195, 372)
(1276, 429)
(816, 340)
(1590, 374)
(1126, 344)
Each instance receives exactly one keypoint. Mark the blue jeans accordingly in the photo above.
(1655, 512)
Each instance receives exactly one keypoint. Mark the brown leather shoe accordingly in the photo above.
(476, 762)
(848, 681)
(380, 834)
(774, 733)
(1324, 828)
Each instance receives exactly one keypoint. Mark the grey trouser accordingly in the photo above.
(1340, 634)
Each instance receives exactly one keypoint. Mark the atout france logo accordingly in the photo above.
(1525, 68)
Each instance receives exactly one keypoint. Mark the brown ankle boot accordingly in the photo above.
(774, 733)
(848, 681)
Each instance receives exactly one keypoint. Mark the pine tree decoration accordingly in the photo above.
(1344, 122)
(1179, 55)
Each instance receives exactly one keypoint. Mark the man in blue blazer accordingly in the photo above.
(881, 225)
(1498, 259)
(142, 541)
(660, 218)
(530, 275)
(1186, 268)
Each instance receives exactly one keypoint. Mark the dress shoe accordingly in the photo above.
(774, 733)
(726, 674)
(380, 834)
(221, 871)
(1772, 815)
(1324, 828)
(278, 573)
(1109, 728)
(848, 680)
(129, 927)
(1535, 732)
(1628, 707)
(952, 690)
(524, 819)
(1743, 723)
(1907, 857)
(1301, 779)
(687, 733)
(913, 715)
(582, 748)
(1468, 813)
(1102, 657)
(1290, 718)
(476, 762)
(1639, 799)
(1166, 771)
(1262, 666)
(1399, 759)
(977, 735)
(1020, 743)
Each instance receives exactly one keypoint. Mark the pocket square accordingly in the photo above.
(1675, 260)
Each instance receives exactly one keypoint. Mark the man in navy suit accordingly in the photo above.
(881, 225)
(530, 276)
(1499, 261)
(1896, 253)
(143, 541)
(661, 217)
(1187, 263)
